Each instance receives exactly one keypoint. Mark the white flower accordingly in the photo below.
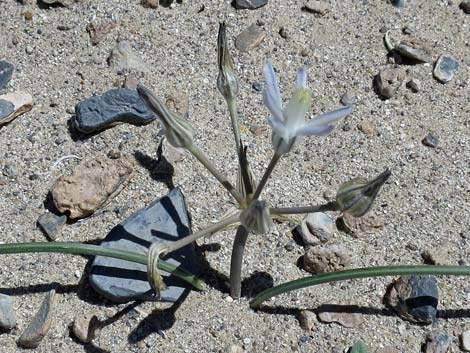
(288, 125)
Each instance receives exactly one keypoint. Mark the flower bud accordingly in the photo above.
(227, 81)
(178, 131)
(356, 196)
(256, 217)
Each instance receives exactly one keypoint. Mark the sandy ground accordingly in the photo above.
(425, 205)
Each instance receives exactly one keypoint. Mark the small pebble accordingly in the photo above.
(414, 85)
(6, 73)
(290, 246)
(250, 4)
(283, 32)
(7, 313)
(326, 258)
(233, 348)
(430, 140)
(28, 15)
(85, 327)
(257, 86)
(51, 224)
(29, 49)
(445, 68)
(318, 7)
(153, 4)
(348, 98)
(437, 342)
(307, 320)
(465, 6)
(316, 228)
(250, 38)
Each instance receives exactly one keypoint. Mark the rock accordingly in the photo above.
(98, 32)
(414, 85)
(122, 281)
(257, 86)
(465, 6)
(284, 32)
(326, 258)
(250, 4)
(319, 7)
(430, 140)
(173, 154)
(342, 315)
(28, 15)
(22, 102)
(388, 81)
(7, 313)
(233, 348)
(153, 4)
(10, 171)
(123, 58)
(316, 228)
(437, 342)
(465, 340)
(85, 327)
(348, 98)
(359, 226)
(415, 298)
(6, 108)
(250, 38)
(37, 329)
(6, 73)
(414, 49)
(307, 320)
(51, 224)
(367, 128)
(91, 185)
(116, 106)
(65, 3)
(445, 68)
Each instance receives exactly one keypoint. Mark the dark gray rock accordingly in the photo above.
(430, 140)
(51, 224)
(250, 4)
(445, 68)
(6, 72)
(257, 86)
(438, 342)
(38, 328)
(6, 108)
(398, 3)
(122, 281)
(7, 314)
(119, 105)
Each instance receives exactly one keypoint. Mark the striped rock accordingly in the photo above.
(122, 281)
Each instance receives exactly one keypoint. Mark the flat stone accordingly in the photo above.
(37, 329)
(430, 140)
(437, 342)
(22, 102)
(345, 317)
(116, 106)
(415, 298)
(445, 68)
(6, 73)
(91, 185)
(465, 6)
(6, 108)
(51, 224)
(122, 281)
(250, 4)
(250, 38)
(465, 340)
(316, 228)
(7, 313)
(388, 81)
(319, 7)
(123, 57)
(326, 258)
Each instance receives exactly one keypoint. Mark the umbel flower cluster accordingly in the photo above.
(289, 128)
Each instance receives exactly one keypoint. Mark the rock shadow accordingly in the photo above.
(160, 169)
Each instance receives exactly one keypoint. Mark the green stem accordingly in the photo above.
(96, 250)
(232, 107)
(219, 176)
(266, 175)
(377, 271)
(330, 206)
(236, 262)
(172, 246)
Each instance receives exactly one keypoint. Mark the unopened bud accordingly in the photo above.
(227, 81)
(256, 217)
(357, 196)
(178, 131)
